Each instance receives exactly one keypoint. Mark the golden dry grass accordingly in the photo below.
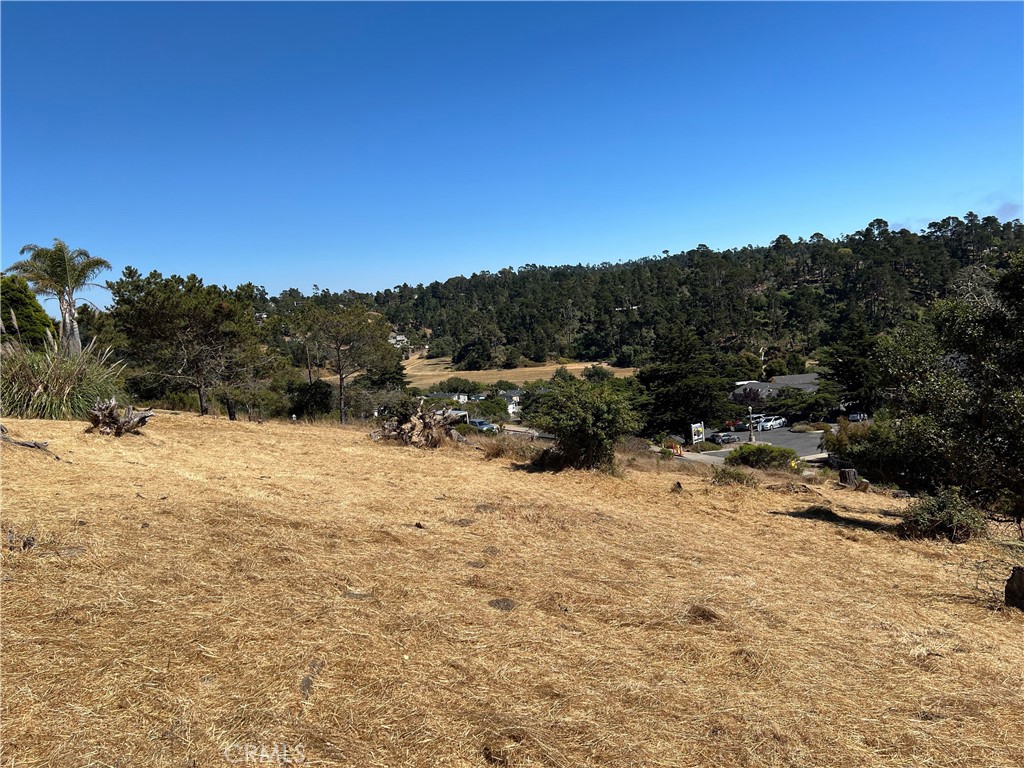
(210, 585)
(422, 372)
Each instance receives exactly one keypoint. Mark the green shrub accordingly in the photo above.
(704, 446)
(763, 456)
(733, 476)
(53, 383)
(586, 419)
(943, 516)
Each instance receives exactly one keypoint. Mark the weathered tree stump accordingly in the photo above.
(1014, 592)
(105, 418)
(848, 477)
(425, 429)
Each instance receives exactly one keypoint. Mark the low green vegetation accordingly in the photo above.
(763, 456)
(943, 516)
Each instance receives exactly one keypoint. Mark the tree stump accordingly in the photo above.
(848, 477)
(1014, 593)
(425, 429)
(105, 418)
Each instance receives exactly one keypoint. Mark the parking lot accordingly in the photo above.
(804, 443)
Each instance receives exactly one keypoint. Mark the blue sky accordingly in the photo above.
(362, 145)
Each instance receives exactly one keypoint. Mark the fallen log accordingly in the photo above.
(424, 429)
(108, 421)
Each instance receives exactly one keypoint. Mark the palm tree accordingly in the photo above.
(59, 272)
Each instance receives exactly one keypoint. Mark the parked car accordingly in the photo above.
(482, 425)
(771, 422)
(855, 418)
(742, 426)
(721, 438)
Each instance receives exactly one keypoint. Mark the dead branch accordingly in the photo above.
(40, 445)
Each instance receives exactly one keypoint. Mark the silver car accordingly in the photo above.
(771, 422)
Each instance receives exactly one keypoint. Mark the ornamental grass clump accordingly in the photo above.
(52, 383)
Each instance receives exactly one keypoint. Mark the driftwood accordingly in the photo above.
(424, 429)
(105, 418)
(40, 445)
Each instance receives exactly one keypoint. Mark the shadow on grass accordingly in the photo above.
(827, 515)
(531, 467)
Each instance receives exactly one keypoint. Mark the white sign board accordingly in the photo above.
(697, 431)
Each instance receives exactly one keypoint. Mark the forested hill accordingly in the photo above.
(789, 296)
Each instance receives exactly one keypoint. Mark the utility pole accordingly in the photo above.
(750, 421)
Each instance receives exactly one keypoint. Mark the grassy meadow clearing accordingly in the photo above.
(423, 372)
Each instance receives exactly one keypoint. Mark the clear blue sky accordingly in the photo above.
(362, 145)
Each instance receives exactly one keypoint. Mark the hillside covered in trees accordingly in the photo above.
(745, 313)
(790, 296)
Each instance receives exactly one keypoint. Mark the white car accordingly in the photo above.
(771, 422)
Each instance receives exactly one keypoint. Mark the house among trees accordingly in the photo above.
(459, 397)
(762, 390)
(513, 400)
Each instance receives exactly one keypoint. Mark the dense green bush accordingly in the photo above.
(943, 516)
(21, 314)
(585, 418)
(763, 456)
(53, 383)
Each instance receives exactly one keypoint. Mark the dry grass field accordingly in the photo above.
(214, 593)
(422, 372)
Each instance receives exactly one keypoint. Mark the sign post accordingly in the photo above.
(697, 432)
